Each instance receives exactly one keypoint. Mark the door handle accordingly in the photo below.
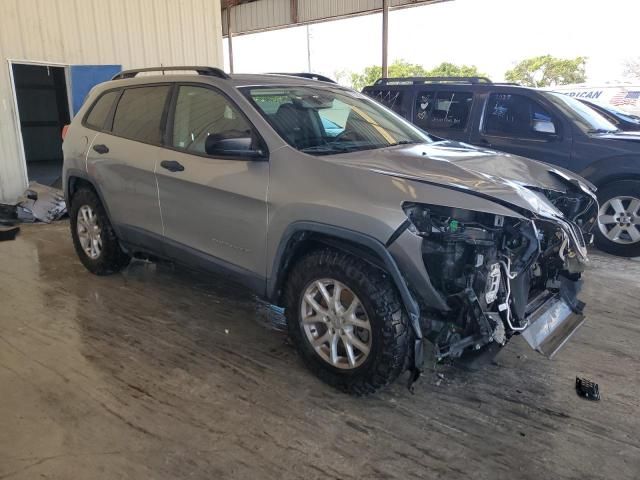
(172, 165)
(101, 148)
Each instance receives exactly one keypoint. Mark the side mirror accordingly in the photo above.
(241, 147)
(544, 126)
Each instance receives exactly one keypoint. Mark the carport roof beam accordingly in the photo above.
(254, 16)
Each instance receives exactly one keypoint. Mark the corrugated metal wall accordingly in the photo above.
(264, 15)
(133, 33)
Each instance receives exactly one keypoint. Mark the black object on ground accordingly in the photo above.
(587, 389)
(8, 214)
(8, 233)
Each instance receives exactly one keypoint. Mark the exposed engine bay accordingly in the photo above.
(500, 274)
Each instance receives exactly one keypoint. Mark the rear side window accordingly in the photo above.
(100, 110)
(389, 98)
(513, 115)
(438, 110)
(139, 113)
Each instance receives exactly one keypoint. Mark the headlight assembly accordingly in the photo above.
(429, 220)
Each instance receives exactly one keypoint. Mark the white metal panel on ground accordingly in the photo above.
(262, 15)
(133, 33)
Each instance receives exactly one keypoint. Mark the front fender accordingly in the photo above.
(609, 169)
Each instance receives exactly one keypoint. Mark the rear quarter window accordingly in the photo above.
(389, 98)
(99, 111)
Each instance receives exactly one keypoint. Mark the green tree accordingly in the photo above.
(402, 69)
(632, 68)
(399, 68)
(548, 71)
(446, 69)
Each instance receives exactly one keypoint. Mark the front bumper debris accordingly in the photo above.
(551, 324)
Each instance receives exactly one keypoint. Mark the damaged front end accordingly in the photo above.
(500, 275)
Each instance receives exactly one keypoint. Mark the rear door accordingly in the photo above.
(213, 192)
(444, 113)
(122, 159)
(520, 124)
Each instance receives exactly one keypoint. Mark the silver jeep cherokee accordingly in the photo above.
(374, 236)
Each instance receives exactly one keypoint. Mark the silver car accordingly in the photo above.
(374, 236)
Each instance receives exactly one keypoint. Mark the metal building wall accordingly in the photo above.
(133, 33)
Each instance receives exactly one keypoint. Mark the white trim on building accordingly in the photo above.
(131, 33)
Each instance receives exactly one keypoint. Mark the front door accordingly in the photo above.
(212, 192)
(521, 125)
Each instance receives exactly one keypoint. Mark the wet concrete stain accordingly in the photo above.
(164, 373)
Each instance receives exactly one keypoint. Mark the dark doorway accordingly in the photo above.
(41, 92)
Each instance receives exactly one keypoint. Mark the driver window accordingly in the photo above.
(201, 113)
(516, 116)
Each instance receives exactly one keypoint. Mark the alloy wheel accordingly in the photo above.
(336, 324)
(89, 232)
(619, 219)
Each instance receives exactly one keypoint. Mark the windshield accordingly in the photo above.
(326, 120)
(586, 117)
(629, 117)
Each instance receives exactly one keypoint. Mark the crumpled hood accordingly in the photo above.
(500, 176)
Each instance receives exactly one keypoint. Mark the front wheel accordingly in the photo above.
(618, 231)
(347, 322)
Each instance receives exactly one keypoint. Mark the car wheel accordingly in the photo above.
(93, 237)
(347, 321)
(618, 229)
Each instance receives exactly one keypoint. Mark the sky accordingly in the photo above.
(491, 34)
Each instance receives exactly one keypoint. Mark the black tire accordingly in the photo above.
(390, 333)
(112, 258)
(624, 188)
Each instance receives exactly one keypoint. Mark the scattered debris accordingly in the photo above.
(8, 233)
(587, 389)
(42, 203)
(38, 203)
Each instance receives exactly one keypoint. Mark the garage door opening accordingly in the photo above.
(43, 108)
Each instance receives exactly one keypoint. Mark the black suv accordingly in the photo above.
(542, 125)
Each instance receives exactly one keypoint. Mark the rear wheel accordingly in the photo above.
(346, 320)
(618, 231)
(93, 237)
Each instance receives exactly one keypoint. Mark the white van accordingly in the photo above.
(621, 95)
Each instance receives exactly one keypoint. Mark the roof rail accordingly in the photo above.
(419, 80)
(310, 76)
(209, 71)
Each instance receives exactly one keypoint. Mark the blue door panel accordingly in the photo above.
(85, 77)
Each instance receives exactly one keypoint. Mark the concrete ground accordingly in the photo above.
(163, 373)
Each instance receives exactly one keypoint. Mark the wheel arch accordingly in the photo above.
(612, 169)
(77, 179)
(302, 237)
